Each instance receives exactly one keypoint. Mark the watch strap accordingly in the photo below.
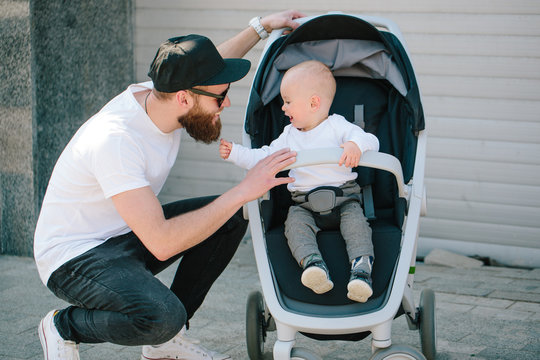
(255, 23)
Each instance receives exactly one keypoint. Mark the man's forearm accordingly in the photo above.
(239, 45)
(187, 230)
(164, 238)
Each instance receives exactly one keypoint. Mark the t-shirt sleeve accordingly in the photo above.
(247, 158)
(351, 132)
(119, 165)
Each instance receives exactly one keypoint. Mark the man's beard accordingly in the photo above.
(200, 125)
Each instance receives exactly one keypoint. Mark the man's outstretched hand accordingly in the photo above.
(284, 19)
(262, 177)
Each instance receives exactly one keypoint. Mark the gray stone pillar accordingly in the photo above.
(17, 191)
(64, 61)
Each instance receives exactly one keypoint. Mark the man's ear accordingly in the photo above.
(185, 99)
(315, 102)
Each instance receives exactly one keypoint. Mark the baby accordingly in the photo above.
(308, 90)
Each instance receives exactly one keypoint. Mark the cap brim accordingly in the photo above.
(235, 69)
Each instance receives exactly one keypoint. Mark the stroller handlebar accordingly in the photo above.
(372, 159)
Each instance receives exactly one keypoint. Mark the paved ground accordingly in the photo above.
(482, 313)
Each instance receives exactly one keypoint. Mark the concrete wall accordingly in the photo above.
(61, 62)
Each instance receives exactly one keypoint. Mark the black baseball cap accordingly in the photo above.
(187, 61)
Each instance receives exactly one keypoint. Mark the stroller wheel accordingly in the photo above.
(299, 353)
(255, 326)
(398, 352)
(428, 335)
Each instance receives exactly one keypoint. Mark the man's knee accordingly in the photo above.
(161, 320)
(231, 233)
(237, 222)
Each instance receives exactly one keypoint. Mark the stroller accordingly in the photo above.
(377, 90)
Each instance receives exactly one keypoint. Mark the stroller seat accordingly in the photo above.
(386, 241)
(372, 98)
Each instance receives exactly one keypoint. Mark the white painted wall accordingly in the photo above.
(478, 67)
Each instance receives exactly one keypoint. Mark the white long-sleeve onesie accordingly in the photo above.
(332, 132)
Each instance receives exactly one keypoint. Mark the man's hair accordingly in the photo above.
(160, 95)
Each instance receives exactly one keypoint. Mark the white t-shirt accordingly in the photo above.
(332, 132)
(117, 150)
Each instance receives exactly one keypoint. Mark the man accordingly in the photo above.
(102, 234)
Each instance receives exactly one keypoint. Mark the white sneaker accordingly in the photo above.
(180, 347)
(359, 290)
(54, 346)
(316, 277)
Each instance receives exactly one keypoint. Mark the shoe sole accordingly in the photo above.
(316, 279)
(359, 291)
(42, 339)
(190, 356)
(170, 358)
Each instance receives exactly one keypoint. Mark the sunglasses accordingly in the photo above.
(220, 97)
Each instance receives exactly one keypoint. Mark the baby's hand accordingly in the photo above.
(351, 154)
(225, 148)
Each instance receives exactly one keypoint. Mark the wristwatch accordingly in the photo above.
(255, 23)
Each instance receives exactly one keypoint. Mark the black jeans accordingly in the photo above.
(116, 297)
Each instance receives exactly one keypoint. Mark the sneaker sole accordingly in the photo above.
(359, 291)
(170, 358)
(208, 356)
(316, 279)
(42, 339)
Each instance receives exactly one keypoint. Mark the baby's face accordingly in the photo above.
(297, 104)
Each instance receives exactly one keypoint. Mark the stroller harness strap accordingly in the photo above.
(324, 199)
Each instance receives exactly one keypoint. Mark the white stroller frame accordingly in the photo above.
(378, 322)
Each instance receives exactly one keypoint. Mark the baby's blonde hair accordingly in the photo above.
(317, 76)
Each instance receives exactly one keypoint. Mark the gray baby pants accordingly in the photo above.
(302, 226)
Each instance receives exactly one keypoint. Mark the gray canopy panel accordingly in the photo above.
(345, 57)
